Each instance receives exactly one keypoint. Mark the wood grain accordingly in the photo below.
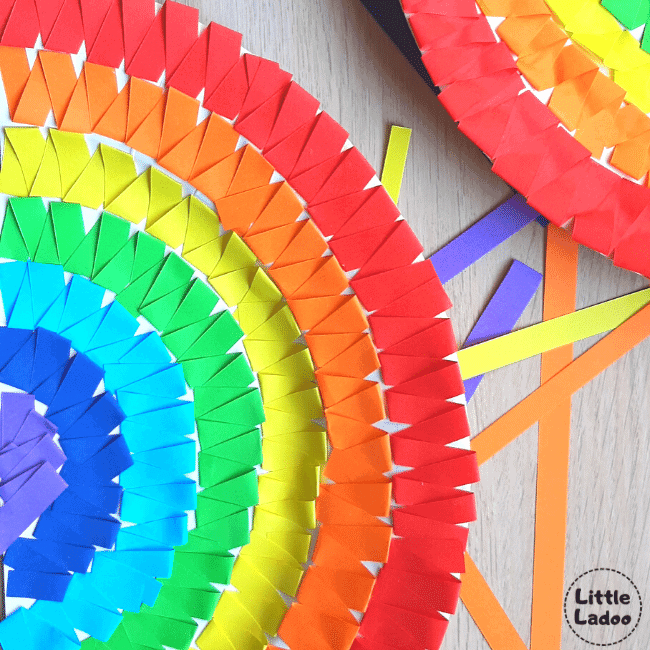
(337, 52)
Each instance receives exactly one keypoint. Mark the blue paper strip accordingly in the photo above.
(503, 311)
(485, 235)
(24, 630)
(18, 371)
(11, 278)
(52, 351)
(84, 298)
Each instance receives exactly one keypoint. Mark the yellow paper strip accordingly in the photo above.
(551, 334)
(395, 161)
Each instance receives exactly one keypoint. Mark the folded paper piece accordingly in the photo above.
(485, 235)
(29, 460)
(307, 148)
(503, 311)
(550, 334)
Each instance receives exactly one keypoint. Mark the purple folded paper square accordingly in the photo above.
(14, 408)
(29, 460)
(30, 501)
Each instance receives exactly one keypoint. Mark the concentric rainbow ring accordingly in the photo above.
(406, 298)
(546, 115)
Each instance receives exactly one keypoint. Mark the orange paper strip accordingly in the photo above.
(143, 98)
(146, 138)
(181, 113)
(254, 171)
(113, 123)
(269, 244)
(219, 142)
(239, 211)
(309, 312)
(349, 317)
(34, 105)
(486, 611)
(181, 158)
(283, 209)
(560, 280)
(215, 181)
(101, 85)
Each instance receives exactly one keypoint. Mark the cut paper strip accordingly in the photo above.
(485, 235)
(395, 161)
(550, 334)
(554, 432)
(503, 311)
(486, 611)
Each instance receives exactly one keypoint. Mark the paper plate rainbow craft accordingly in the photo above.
(193, 252)
(555, 93)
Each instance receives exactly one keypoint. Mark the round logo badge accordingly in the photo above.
(603, 607)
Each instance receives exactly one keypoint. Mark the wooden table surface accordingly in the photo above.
(337, 52)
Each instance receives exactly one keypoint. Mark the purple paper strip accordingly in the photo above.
(503, 311)
(485, 235)
(37, 494)
(14, 408)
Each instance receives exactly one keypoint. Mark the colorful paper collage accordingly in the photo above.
(243, 365)
(555, 152)
(331, 431)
